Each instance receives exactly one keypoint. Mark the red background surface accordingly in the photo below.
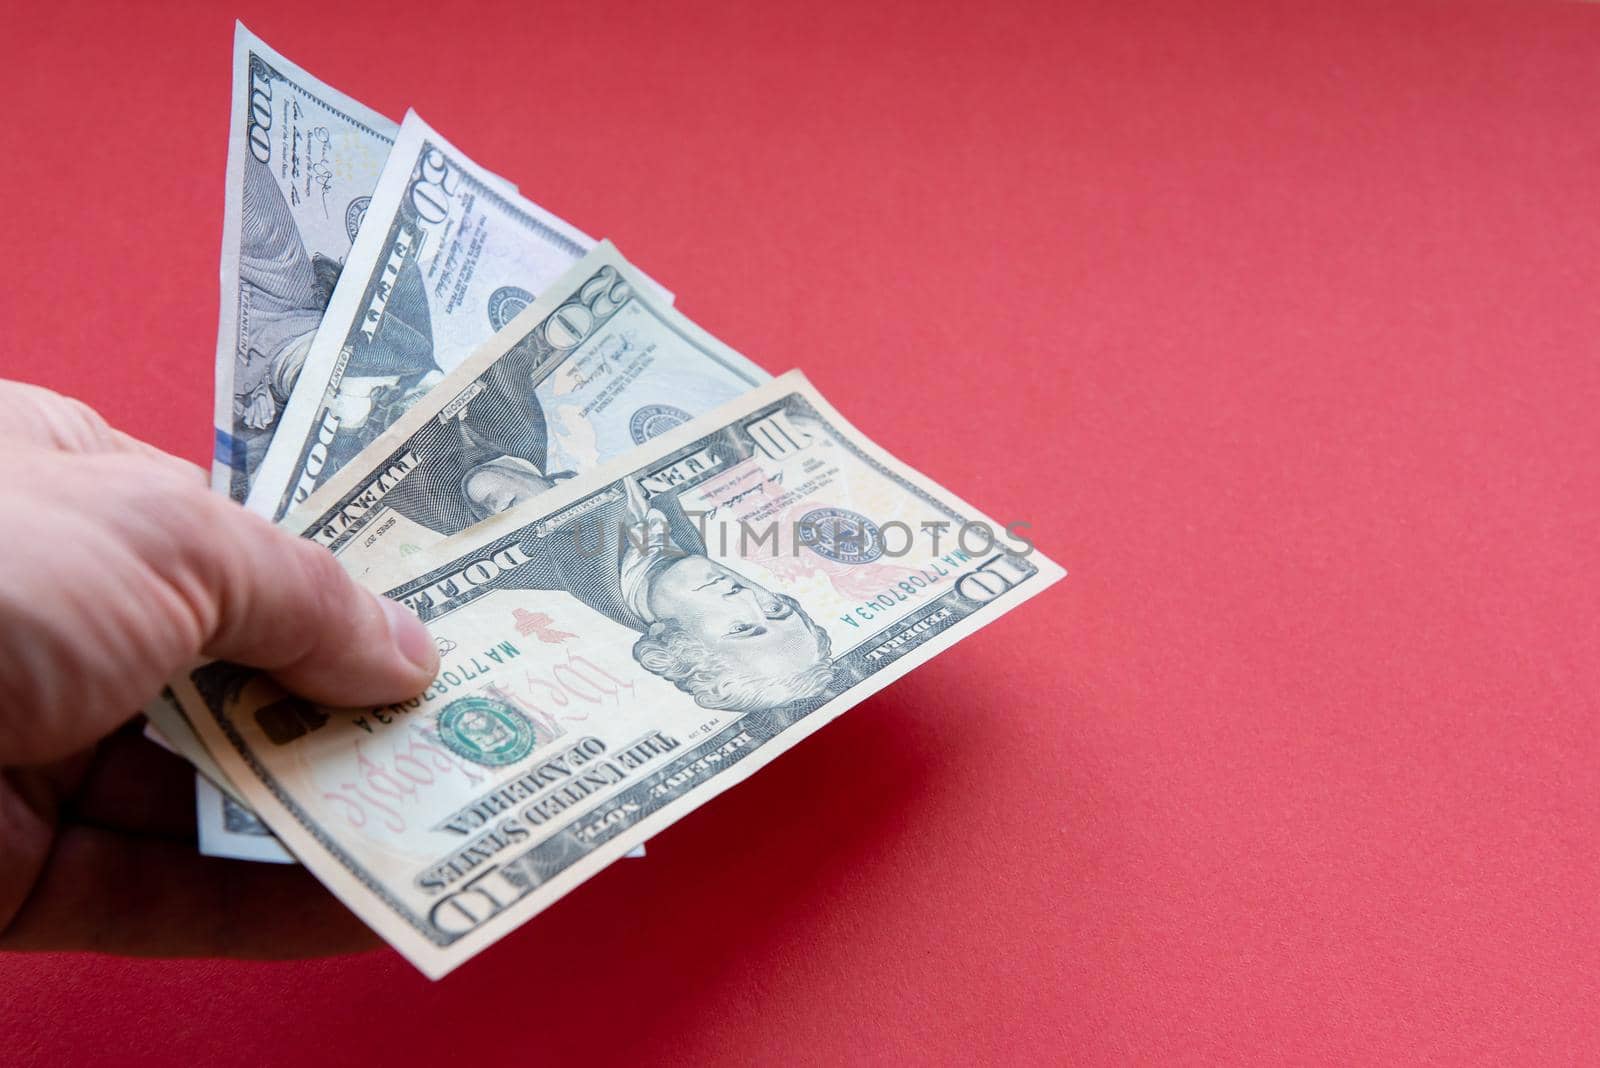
(1277, 321)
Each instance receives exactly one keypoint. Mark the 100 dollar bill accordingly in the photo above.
(614, 654)
(596, 366)
(303, 160)
(448, 255)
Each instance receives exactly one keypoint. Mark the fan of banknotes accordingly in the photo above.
(649, 566)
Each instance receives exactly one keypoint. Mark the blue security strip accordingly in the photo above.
(230, 451)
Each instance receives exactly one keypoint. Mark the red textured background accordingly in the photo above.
(1278, 321)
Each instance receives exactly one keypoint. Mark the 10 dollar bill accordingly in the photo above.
(614, 654)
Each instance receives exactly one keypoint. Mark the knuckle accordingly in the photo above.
(66, 422)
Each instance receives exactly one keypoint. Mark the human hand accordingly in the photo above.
(121, 568)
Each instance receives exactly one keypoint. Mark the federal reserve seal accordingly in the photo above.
(840, 535)
(486, 731)
(653, 420)
(353, 214)
(506, 303)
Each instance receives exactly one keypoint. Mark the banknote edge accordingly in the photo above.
(215, 840)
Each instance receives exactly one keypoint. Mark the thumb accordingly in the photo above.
(285, 605)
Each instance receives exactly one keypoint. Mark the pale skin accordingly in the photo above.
(118, 567)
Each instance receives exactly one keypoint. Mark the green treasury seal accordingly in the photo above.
(486, 731)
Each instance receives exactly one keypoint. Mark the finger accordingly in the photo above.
(122, 442)
(108, 892)
(44, 418)
(30, 800)
(285, 605)
(136, 786)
